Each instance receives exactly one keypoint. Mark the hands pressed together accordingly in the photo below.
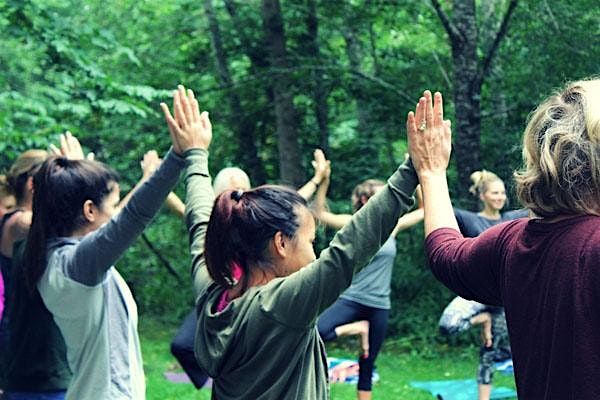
(429, 136)
(187, 126)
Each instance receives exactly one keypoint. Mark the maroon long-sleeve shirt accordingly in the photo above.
(547, 277)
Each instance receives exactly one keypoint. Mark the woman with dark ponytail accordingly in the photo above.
(73, 243)
(261, 287)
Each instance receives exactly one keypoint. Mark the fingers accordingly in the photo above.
(171, 123)
(428, 109)
(411, 126)
(438, 109)
(205, 121)
(194, 105)
(55, 151)
(185, 105)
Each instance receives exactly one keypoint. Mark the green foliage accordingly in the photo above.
(99, 69)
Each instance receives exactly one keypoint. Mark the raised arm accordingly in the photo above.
(298, 299)
(199, 193)
(336, 221)
(429, 143)
(320, 165)
(100, 249)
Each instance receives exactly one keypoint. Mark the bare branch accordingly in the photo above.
(487, 61)
(453, 32)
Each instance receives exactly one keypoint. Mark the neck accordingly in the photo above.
(257, 278)
(490, 212)
(25, 204)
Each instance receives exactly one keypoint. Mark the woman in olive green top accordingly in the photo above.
(260, 287)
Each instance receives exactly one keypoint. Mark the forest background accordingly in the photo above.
(281, 78)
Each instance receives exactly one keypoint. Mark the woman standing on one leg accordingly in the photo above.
(362, 309)
(461, 314)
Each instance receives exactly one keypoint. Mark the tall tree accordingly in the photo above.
(469, 73)
(290, 168)
(319, 89)
(247, 152)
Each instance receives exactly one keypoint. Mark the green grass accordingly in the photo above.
(397, 366)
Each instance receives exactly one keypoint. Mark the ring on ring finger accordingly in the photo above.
(422, 126)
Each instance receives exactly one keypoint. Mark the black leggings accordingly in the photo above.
(182, 348)
(343, 312)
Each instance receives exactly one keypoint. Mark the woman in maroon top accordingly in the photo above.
(544, 271)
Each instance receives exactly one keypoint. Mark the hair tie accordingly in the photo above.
(237, 194)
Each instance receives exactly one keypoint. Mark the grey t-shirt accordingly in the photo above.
(471, 224)
(371, 286)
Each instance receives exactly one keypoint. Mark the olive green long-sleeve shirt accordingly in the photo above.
(264, 344)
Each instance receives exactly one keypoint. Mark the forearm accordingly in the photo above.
(438, 210)
(198, 206)
(356, 243)
(309, 188)
(175, 204)
(100, 249)
(408, 220)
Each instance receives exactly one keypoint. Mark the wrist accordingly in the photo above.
(316, 181)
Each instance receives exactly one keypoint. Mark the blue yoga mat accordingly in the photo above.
(465, 389)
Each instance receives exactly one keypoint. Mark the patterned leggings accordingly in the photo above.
(456, 318)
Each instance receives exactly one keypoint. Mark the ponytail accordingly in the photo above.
(241, 226)
(61, 188)
(481, 180)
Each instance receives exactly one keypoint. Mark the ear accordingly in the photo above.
(482, 197)
(89, 211)
(29, 184)
(280, 245)
(363, 199)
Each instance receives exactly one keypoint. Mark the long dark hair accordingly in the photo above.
(61, 187)
(241, 226)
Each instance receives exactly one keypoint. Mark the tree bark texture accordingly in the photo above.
(469, 73)
(290, 167)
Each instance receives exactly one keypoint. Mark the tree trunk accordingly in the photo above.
(467, 95)
(320, 90)
(366, 165)
(247, 152)
(469, 73)
(290, 168)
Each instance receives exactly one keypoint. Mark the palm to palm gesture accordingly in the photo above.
(429, 136)
(188, 127)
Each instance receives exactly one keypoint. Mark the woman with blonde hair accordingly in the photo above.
(543, 270)
(460, 314)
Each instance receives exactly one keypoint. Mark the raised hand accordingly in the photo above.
(150, 163)
(429, 136)
(70, 148)
(188, 129)
(321, 165)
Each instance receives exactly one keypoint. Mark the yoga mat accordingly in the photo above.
(465, 389)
